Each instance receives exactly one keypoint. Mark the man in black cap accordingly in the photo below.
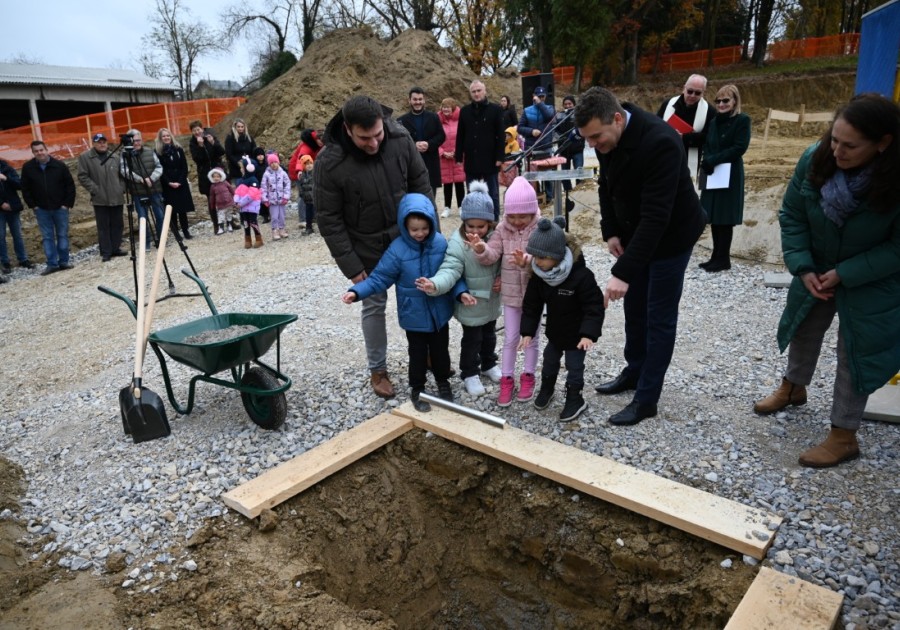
(100, 176)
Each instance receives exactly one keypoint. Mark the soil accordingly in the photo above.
(422, 533)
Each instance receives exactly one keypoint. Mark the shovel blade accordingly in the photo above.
(126, 402)
(146, 417)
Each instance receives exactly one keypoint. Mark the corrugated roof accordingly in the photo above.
(215, 84)
(28, 74)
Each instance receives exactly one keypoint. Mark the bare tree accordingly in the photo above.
(26, 59)
(308, 21)
(180, 39)
(338, 14)
(274, 17)
(399, 15)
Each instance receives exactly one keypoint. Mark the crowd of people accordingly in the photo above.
(370, 182)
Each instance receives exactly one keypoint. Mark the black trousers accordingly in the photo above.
(422, 345)
(721, 236)
(477, 349)
(110, 225)
(448, 193)
(574, 364)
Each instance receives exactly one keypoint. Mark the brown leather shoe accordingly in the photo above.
(839, 446)
(381, 385)
(787, 394)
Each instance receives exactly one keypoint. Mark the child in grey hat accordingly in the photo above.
(562, 282)
(479, 308)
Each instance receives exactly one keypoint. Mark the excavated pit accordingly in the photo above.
(428, 534)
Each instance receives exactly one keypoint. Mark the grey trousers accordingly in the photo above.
(374, 331)
(803, 354)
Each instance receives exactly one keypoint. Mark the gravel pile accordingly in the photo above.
(99, 500)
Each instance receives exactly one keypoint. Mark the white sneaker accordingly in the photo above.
(445, 213)
(474, 386)
(494, 373)
(221, 231)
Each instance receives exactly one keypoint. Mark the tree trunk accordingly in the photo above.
(761, 38)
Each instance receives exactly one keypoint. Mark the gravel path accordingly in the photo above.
(68, 349)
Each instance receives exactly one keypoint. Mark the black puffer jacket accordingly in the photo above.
(9, 188)
(49, 189)
(357, 195)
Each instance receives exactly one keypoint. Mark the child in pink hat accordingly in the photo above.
(276, 192)
(520, 216)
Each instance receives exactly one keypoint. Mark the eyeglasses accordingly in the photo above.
(723, 100)
(691, 92)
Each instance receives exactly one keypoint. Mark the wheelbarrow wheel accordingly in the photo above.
(268, 412)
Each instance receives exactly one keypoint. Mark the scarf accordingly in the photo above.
(558, 274)
(842, 194)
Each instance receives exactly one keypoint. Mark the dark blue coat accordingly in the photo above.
(406, 260)
(9, 189)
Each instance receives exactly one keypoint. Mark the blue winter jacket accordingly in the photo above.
(403, 262)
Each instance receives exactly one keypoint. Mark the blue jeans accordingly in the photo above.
(14, 221)
(54, 227)
(156, 204)
(651, 322)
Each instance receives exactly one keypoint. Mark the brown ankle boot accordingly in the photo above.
(381, 385)
(259, 241)
(248, 242)
(839, 446)
(787, 394)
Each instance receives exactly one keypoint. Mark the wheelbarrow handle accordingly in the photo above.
(128, 301)
(203, 289)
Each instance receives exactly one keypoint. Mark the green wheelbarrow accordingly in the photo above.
(262, 386)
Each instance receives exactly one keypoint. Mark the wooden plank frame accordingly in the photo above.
(774, 600)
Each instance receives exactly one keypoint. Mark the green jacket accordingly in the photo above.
(727, 139)
(866, 254)
(459, 262)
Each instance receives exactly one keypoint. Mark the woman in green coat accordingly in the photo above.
(727, 139)
(840, 234)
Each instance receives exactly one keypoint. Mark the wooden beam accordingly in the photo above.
(296, 475)
(722, 521)
(776, 600)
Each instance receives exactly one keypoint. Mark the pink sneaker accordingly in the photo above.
(507, 387)
(526, 387)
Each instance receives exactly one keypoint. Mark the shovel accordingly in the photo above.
(142, 410)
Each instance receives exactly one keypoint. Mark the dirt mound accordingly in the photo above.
(355, 61)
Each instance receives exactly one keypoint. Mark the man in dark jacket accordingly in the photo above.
(48, 187)
(142, 171)
(10, 211)
(368, 163)
(428, 133)
(100, 176)
(651, 218)
(480, 139)
(207, 154)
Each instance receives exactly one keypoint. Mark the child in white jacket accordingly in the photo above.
(276, 192)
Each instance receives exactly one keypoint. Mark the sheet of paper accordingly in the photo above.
(720, 177)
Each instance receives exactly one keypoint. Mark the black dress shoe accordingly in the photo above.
(706, 264)
(633, 413)
(622, 383)
(119, 252)
(721, 264)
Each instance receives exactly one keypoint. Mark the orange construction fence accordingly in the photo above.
(831, 46)
(69, 138)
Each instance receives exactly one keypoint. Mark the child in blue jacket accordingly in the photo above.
(417, 252)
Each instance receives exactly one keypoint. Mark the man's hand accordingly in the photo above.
(2, 177)
(615, 290)
(148, 183)
(585, 344)
(535, 132)
(424, 284)
(422, 146)
(615, 246)
(5, 207)
(362, 275)
(174, 185)
(467, 299)
(814, 284)
(524, 342)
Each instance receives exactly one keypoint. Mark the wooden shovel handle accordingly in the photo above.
(139, 342)
(154, 286)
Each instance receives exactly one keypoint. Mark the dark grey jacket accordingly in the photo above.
(357, 195)
(101, 179)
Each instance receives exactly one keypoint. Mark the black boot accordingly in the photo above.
(721, 259)
(574, 403)
(545, 394)
(445, 391)
(419, 405)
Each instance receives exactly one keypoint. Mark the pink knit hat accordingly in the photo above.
(520, 198)
(272, 157)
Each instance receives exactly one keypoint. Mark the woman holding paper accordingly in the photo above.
(840, 234)
(722, 198)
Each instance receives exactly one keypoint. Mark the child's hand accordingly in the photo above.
(467, 299)
(349, 297)
(424, 284)
(524, 342)
(497, 285)
(475, 243)
(585, 344)
(520, 257)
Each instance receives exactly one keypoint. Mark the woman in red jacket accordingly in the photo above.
(309, 145)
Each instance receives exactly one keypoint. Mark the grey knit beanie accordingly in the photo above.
(548, 239)
(478, 203)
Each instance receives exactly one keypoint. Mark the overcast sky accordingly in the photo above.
(104, 33)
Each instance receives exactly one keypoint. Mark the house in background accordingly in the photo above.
(41, 93)
(209, 88)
